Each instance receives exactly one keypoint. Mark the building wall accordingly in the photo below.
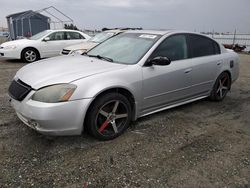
(28, 26)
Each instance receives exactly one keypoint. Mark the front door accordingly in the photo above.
(54, 45)
(165, 85)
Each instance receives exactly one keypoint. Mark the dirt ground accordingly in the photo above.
(203, 144)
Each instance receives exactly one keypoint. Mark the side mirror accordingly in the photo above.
(161, 61)
(46, 39)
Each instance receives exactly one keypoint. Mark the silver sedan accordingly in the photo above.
(134, 74)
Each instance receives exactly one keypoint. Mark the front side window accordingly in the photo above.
(173, 47)
(57, 36)
(40, 35)
(202, 46)
(126, 48)
(74, 36)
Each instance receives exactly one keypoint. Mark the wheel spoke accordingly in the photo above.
(221, 93)
(218, 90)
(224, 88)
(119, 116)
(114, 126)
(105, 114)
(115, 107)
(224, 80)
(104, 126)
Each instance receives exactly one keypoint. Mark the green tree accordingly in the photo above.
(70, 26)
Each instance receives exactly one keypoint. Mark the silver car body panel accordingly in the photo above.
(153, 88)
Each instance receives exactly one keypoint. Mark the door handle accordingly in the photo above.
(188, 70)
(219, 63)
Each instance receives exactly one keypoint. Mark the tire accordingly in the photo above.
(109, 116)
(30, 55)
(221, 87)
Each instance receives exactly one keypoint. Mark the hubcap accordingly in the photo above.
(222, 87)
(111, 118)
(30, 56)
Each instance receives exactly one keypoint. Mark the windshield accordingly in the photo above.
(39, 35)
(99, 38)
(127, 48)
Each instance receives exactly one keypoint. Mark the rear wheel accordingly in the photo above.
(30, 55)
(109, 116)
(221, 87)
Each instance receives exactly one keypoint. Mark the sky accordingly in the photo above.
(192, 15)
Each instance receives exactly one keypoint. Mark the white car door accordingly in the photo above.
(54, 45)
(74, 38)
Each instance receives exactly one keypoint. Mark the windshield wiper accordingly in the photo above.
(101, 57)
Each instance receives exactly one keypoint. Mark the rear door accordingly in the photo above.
(73, 37)
(206, 59)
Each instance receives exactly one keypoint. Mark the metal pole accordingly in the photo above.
(22, 26)
(16, 30)
(30, 27)
(234, 37)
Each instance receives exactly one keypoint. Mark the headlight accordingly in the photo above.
(78, 52)
(10, 47)
(54, 93)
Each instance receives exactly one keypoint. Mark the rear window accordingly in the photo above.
(202, 46)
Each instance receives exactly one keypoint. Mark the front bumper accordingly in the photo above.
(10, 53)
(58, 119)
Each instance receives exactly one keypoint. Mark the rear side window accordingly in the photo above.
(173, 47)
(73, 36)
(202, 46)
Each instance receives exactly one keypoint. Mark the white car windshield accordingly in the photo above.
(99, 38)
(39, 35)
(126, 48)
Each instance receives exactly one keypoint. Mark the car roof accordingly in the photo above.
(161, 32)
(153, 32)
(52, 30)
(114, 31)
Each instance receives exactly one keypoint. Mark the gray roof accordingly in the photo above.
(25, 14)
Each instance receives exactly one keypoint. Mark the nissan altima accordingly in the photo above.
(129, 76)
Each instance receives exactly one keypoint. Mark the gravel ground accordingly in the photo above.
(203, 144)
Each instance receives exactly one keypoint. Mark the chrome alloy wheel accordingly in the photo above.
(223, 86)
(111, 118)
(30, 56)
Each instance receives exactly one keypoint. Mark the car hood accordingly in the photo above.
(82, 46)
(17, 42)
(63, 70)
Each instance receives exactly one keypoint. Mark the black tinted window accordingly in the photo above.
(202, 46)
(173, 47)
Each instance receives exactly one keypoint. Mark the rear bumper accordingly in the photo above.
(56, 119)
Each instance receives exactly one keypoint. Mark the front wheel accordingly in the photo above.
(109, 116)
(221, 87)
(30, 55)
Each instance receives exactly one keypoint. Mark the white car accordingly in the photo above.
(48, 43)
(94, 41)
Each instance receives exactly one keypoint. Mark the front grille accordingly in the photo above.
(65, 52)
(19, 90)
